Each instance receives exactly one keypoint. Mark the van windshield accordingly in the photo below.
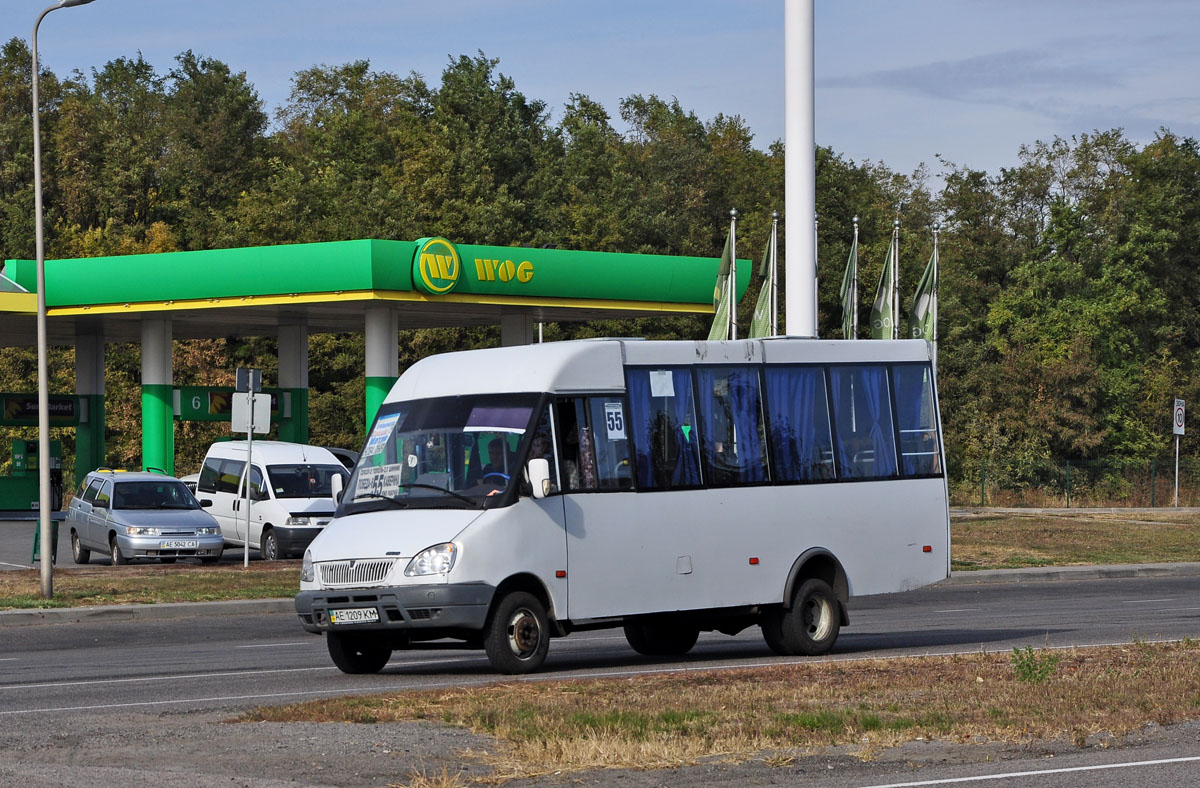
(304, 480)
(456, 452)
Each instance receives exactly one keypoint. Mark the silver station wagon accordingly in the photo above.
(129, 515)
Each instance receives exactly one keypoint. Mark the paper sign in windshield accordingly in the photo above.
(379, 435)
(378, 480)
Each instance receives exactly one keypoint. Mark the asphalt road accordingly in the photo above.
(112, 684)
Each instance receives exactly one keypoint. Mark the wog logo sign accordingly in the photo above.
(436, 266)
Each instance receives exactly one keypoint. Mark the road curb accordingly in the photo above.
(77, 615)
(1045, 574)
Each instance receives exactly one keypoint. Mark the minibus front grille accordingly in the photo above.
(347, 574)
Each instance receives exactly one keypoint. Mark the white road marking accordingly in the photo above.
(18, 566)
(279, 645)
(1038, 772)
(961, 610)
(1145, 601)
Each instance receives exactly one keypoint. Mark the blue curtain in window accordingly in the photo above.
(744, 411)
(874, 386)
(917, 438)
(644, 411)
(799, 419)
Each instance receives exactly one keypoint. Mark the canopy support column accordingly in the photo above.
(383, 357)
(89, 386)
(293, 379)
(158, 400)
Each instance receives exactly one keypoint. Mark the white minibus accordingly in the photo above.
(512, 495)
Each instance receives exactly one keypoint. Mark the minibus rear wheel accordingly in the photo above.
(810, 626)
(517, 636)
(356, 652)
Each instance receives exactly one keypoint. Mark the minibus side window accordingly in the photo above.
(662, 424)
(916, 419)
(594, 444)
(798, 412)
(862, 414)
(541, 446)
(731, 425)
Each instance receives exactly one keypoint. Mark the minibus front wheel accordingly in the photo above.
(517, 636)
(357, 652)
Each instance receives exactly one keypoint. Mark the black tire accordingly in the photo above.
(168, 560)
(269, 546)
(517, 636)
(357, 652)
(660, 638)
(114, 553)
(79, 553)
(810, 626)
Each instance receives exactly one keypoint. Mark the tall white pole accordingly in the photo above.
(896, 280)
(854, 286)
(774, 273)
(800, 172)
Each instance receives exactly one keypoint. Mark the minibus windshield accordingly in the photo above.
(445, 452)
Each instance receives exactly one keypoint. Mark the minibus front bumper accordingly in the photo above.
(454, 607)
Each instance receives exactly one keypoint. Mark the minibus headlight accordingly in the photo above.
(436, 560)
(306, 567)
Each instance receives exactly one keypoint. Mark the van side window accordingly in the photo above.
(916, 419)
(541, 446)
(662, 422)
(229, 476)
(257, 491)
(862, 417)
(732, 441)
(798, 411)
(208, 475)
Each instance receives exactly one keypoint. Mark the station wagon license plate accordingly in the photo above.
(178, 544)
(354, 615)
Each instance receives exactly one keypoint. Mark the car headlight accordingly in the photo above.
(306, 567)
(436, 560)
(138, 530)
(297, 521)
(208, 531)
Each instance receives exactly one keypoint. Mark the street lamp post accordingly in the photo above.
(46, 549)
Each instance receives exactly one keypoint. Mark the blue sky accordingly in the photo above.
(897, 82)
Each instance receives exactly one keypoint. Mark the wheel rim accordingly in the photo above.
(818, 617)
(75, 547)
(269, 547)
(524, 633)
(115, 552)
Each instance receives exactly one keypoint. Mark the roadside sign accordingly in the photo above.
(1177, 414)
(246, 379)
(240, 421)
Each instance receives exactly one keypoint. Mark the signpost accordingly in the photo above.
(250, 414)
(1177, 415)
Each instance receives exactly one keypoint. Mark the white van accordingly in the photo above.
(290, 490)
(511, 495)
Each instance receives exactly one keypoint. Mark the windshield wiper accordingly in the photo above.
(400, 502)
(443, 489)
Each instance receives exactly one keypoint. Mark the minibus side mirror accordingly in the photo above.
(538, 471)
(337, 484)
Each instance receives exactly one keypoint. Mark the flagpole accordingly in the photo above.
(816, 280)
(937, 228)
(733, 273)
(774, 273)
(854, 286)
(895, 279)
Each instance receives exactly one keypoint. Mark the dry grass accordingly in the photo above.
(1003, 541)
(786, 711)
(150, 584)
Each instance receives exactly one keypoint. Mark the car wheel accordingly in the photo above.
(810, 627)
(655, 638)
(357, 652)
(79, 553)
(270, 546)
(114, 553)
(517, 637)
